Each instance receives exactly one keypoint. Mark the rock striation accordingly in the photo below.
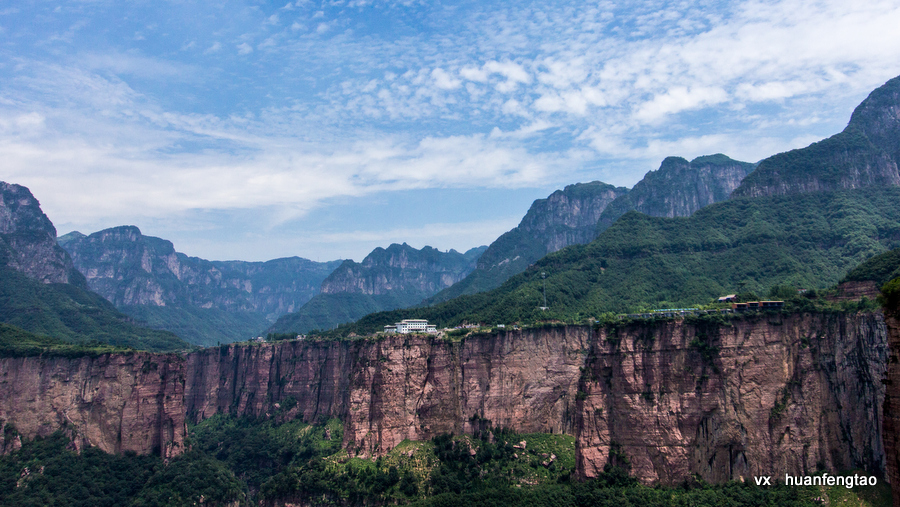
(892, 382)
(679, 188)
(117, 402)
(28, 239)
(566, 217)
(398, 276)
(768, 396)
(198, 299)
(762, 395)
(865, 154)
(129, 268)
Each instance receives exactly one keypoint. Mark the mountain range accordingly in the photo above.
(398, 276)
(804, 226)
(209, 302)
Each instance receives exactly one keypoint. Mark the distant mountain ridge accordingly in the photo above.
(802, 219)
(679, 188)
(398, 276)
(566, 217)
(205, 301)
(865, 154)
(42, 293)
(578, 213)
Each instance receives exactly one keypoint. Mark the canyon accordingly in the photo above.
(718, 399)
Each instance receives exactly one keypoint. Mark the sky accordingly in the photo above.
(254, 130)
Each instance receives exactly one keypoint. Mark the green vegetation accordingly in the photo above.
(325, 311)
(206, 327)
(250, 461)
(891, 294)
(45, 472)
(879, 269)
(515, 250)
(15, 342)
(256, 450)
(805, 241)
(675, 184)
(71, 314)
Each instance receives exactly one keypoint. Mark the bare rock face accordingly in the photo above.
(892, 396)
(566, 217)
(129, 269)
(865, 154)
(765, 396)
(117, 402)
(401, 387)
(401, 269)
(679, 188)
(28, 239)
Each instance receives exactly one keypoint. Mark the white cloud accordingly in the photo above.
(489, 96)
(679, 99)
(444, 80)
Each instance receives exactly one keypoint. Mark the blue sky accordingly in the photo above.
(255, 130)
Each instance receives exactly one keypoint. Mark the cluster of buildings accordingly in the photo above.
(406, 326)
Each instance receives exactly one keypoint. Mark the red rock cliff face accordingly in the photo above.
(121, 402)
(401, 387)
(892, 398)
(764, 396)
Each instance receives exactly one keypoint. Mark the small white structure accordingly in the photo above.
(406, 326)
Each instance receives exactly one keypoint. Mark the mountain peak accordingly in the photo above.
(865, 154)
(28, 239)
(679, 188)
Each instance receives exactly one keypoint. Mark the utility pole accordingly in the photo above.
(544, 280)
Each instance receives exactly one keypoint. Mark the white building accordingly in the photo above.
(406, 326)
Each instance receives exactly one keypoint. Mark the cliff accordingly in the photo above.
(401, 269)
(679, 188)
(566, 217)
(767, 396)
(891, 296)
(764, 395)
(865, 154)
(41, 292)
(399, 276)
(28, 239)
(117, 402)
(203, 301)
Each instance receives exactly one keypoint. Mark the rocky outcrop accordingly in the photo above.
(679, 188)
(28, 239)
(398, 276)
(117, 402)
(767, 396)
(129, 269)
(762, 395)
(401, 269)
(865, 154)
(400, 387)
(204, 302)
(566, 217)
(855, 291)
